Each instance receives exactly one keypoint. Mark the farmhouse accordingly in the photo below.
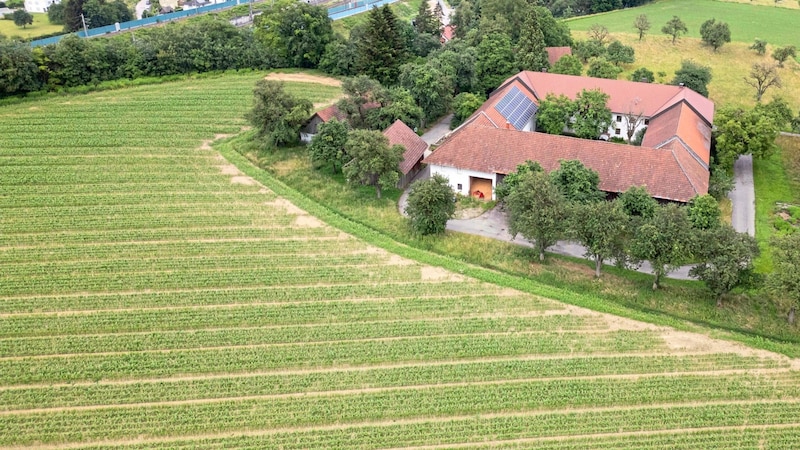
(39, 6)
(399, 133)
(672, 162)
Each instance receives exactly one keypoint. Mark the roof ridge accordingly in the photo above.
(685, 174)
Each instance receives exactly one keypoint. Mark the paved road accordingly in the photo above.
(743, 196)
(446, 11)
(438, 130)
(140, 8)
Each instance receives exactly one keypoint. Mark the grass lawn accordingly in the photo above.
(778, 26)
(41, 26)
(777, 179)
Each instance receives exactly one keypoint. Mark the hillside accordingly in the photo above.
(152, 295)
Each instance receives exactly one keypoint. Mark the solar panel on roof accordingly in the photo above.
(516, 107)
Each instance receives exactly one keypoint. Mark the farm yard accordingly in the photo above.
(153, 295)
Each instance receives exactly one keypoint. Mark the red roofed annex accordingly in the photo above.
(672, 163)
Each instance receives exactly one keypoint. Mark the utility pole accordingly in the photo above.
(250, 5)
(85, 30)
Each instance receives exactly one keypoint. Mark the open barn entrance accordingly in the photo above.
(480, 188)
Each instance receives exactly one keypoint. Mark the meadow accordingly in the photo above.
(41, 26)
(155, 295)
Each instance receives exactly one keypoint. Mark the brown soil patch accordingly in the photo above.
(229, 169)
(694, 342)
(247, 181)
(304, 78)
(437, 273)
(306, 221)
(286, 205)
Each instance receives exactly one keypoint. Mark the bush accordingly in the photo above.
(431, 203)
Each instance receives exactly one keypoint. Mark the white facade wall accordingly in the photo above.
(461, 177)
(39, 6)
(622, 126)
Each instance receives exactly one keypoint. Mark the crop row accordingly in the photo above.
(46, 140)
(102, 198)
(748, 433)
(132, 149)
(316, 355)
(186, 162)
(274, 294)
(110, 171)
(205, 278)
(272, 412)
(69, 177)
(157, 210)
(409, 375)
(200, 125)
(170, 233)
(302, 312)
(111, 187)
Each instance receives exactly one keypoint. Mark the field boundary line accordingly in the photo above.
(181, 241)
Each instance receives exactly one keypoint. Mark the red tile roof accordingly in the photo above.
(330, 112)
(668, 173)
(448, 32)
(400, 133)
(555, 53)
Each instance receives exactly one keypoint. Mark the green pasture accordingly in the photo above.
(41, 26)
(778, 26)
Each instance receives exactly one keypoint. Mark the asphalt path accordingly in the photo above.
(743, 196)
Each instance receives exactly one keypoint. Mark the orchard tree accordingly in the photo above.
(704, 212)
(601, 227)
(726, 259)
(601, 68)
(431, 203)
(784, 281)
(513, 179)
(373, 162)
(598, 33)
(636, 202)
(567, 65)
(714, 33)
(762, 77)
(742, 132)
(277, 114)
(619, 53)
(674, 27)
(642, 75)
(759, 46)
(642, 24)
(464, 104)
(578, 183)
(664, 241)
(694, 76)
(327, 148)
(537, 211)
(592, 115)
(781, 54)
(586, 50)
(554, 114)
(531, 52)
(22, 18)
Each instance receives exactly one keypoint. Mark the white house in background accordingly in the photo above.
(39, 6)
(672, 162)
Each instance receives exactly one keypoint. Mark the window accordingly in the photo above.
(647, 121)
(617, 131)
(458, 187)
(619, 118)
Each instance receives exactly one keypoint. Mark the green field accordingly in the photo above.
(154, 296)
(778, 26)
(41, 26)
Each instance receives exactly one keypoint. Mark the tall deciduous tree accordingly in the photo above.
(464, 104)
(531, 51)
(600, 67)
(781, 54)
(741, 132)
(22, 18)
(514, 179)
(601, 227)
(726, 259)
(373, 162)
(664, 241)
(537, 211)
(642, 24)
(464, 18)
(277, 114)
(694, 76)
(400, 106)
(554, 114)
(762, 77)
(431, 203)
(327, 147)
(360, 93)
(591, 115)
(578, 183)
(495, 61)
(674, 27)
(18, 69)
(567, 65)
(72, 15)
(296, 31)
(714, 33)
(429, 87)
(784, 281)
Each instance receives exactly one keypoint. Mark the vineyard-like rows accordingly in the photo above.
(152, 296)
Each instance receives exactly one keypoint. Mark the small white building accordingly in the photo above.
(39, 6)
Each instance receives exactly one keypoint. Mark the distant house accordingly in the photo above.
(400, 133)
(309, 130)
(555, 53)
(39, 6)
(448, 33)
(193, 4)
(672, 163)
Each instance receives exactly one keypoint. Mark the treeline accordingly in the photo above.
(571, 8)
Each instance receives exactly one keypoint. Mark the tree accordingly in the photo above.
(778, 109)
(72, 15)
(327, 147)
(277, 114)
(636, 202)
(592, 116)
(531, 52)
(642, 24)
(664, 241)
(704, 212)
(401, 106)
(495, 62)
(720, 182)
(556, 33)
(425, 22)
(513, 179)
(633, 120)
(601, 227)
(381, 50)
(781, 54)
(537, 210)
(586, 50)
(618, 53)
(759, 46)
(360, 93)
(741, 132)
(430, 89)
(464, 104)
(55, 13)
(297, 32)
(726, 259)
(554, 114)
(431, 203)
(18, 69)
(100, 13)
(642, 75)
(714, 33)
(598, 33)
(601, 68)
(464, 19)
(339, 57)
(762, 77)
(784, 281)
(22, 18)
(674, 27)
(373, 162)
(694, 76)
(578, 183)
(567, 65)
